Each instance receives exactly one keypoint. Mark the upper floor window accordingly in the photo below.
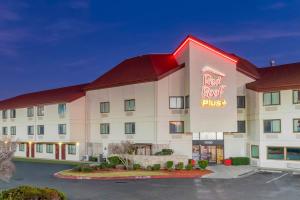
(40, 129)
(241, 102)
(129, 105)
(62, 129)
(30, 130)
(13, 130)
(241, 126)
(187, 101)
(4, 114)
(104, 107)
(4, 130)
(296, 96)
(62, 109)
(30, 112)
(13, 113)
(176, 127)
(271, 98)
(176, 102)
(104, 128)
(296, 125)
(72, 149)
(272, 126)
(130, 128)
(40, 111)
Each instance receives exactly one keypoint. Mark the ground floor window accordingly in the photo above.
(275, 153)
(292, 153)
(49, 148)
(21, 147)
(254, 151)
(72, 149)
(39, 148)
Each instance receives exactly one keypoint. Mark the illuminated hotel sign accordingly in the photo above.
(212, 88)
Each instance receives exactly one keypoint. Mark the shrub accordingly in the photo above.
(149, 168)
(202, 164)
(240, 161)
(189, 167)
(28, 192)
(164, 152)
(179, 166)
(93, 159)
(169, 164)
(83, 168)
(136, 166)
(114, 160)
(192, 162)
(156, 167)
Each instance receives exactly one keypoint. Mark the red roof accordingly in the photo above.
(139, 69)
(281, 77)
(58, 95)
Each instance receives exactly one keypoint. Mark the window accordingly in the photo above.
(292, 153)
(39, 148)
(62, 109)
(21, 147)
(4, 130)
(104, 128)
(13, 130)
(62, 129)
(241, 102)
(241, 126)
(4, 114)
(130, 128)
(72, 149)
(176, 102)
(40, 111)
(40, 129)
(296, 96)
(49, 148)
(187, 101)
(272, 126)
(254, 151)
(296, 125)
(30, 112)
(13, 113)
(275, 153)
(30, 130)
(176, 127)
(104, 107)
(271, 98)
(129, 105)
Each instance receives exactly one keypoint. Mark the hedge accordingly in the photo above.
(240, 160)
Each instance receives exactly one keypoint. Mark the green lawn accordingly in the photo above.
(37, 160)
(113, 173)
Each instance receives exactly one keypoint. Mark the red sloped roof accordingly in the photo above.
(281, 77)
(247, 68)
(139, 69)
(58, 95)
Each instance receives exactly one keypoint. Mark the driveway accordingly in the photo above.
(266, 186)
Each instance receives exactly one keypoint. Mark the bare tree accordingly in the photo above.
(7, 168)
(123, 150)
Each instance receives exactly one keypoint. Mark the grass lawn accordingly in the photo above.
(37, 160)
(113, 173)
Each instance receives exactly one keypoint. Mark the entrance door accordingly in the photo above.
(63, 151)
(208, 153)
(57, 151)
(32, 150)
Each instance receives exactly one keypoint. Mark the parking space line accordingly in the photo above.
(277, 178)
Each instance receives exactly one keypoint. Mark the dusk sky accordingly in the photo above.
(55, 43)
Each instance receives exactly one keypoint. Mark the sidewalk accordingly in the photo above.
(229, 172)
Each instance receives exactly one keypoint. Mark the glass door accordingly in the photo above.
(208, 153)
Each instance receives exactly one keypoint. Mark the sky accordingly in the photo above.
(54, 43)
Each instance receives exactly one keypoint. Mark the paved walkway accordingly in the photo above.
(229, 172)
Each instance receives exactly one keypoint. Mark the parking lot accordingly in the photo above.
(262, 185)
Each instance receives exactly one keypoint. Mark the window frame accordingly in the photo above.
(272, 125)
(298, 119)
(244, 101)
(38, 129)
(254, 145)
(21, 145)
(4, 114)
(128, 100)
(51, 149)
(134, 128)
(286, 153)
(39, 112)
(170, 122)
(245, 127)
(28, 112)
(15, 130)
(72, 149)
(6, 130)
(294, 96)
(272, 104)
(105, 103)
(13, 113)
(177, 97)
(58, 127)
(39, 148)
(267, 152)
(62, 114)
(107, 128)
(28, 127)
(186, 102)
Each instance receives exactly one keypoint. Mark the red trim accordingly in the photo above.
(205, 45)
(27, 150)
(63, 151)
(57, 151)
(32, 150)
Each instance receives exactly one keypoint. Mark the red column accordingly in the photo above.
(63, 151)
(57, 151)
(32, 150)
(27, 149)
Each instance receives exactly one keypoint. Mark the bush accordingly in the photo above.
(114, 160)
(202, 164)
(136, 166)
(83, 168)
(164, 152)
(149, 168)
(189, 167)
(169, 164)
(93, 159)
(240, 161)
(28, 193)
(156, 167)
(192, 162)
(179, 166)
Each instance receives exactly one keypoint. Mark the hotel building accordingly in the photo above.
(199, 100)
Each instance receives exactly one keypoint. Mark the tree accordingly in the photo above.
(123, 150)
(7, 168)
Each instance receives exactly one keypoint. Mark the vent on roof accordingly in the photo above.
(272, 63)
